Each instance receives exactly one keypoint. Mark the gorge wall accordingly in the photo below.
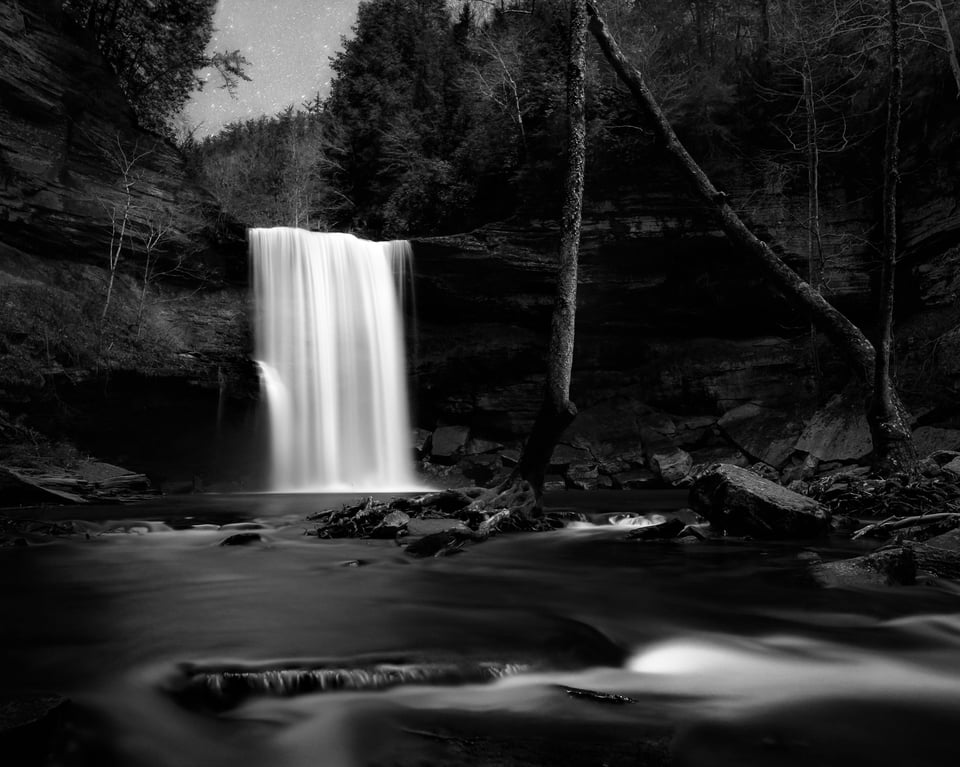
(680, 345)
(152, 376)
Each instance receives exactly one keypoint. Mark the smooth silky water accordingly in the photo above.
(728, 648)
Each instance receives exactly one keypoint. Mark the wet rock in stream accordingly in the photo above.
(31, 724)
(739, 502)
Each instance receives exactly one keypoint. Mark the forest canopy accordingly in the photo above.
(157, 49)
(444, 115)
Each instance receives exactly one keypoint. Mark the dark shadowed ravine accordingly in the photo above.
(572, 647)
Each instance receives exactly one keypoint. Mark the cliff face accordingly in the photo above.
(70, 149)
(674, 327)
(83, 353)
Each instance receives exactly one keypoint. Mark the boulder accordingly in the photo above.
(635, 479)
(658, 433)
(952, 467)
(610, 425)
(948, 541)
(625, 461)
(837, 432)
(888, 567)
(421, 440)
(929, 439)
(582, 476)
(482, 469)
(739, 502)
(766, 434)
(477, 446)
(719, 454)
(565, 455)
(694, 430)
(448, 444)
(672, 466)
(800, 467)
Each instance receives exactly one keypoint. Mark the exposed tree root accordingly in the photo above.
(483, 512)
(885, 498)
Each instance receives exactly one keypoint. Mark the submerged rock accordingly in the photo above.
(30, 726)
(739, 502)
(440, 544)
(669, 528)
(888, 567)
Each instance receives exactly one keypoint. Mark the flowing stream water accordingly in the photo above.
(329, 342)
(182, 652)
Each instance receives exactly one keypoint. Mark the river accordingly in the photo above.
(600, 650)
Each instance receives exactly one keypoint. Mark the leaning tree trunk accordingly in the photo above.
(848, 338)
(557, 410)
(892, 442)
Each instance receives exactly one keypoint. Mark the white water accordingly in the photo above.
(329, 343)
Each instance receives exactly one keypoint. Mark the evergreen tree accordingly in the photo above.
(157, 48)
(393, 102)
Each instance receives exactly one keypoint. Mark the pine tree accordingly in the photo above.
(157, 50)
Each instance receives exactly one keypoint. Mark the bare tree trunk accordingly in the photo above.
(814, 239)
(848, 338)
(838, 328)
(892, 442)
(558, 411)
(764, 52)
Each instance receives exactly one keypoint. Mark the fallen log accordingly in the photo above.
(880, 529)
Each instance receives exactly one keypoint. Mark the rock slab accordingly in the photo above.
(739, 502)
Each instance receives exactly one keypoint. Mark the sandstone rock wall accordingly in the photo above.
(149, 363)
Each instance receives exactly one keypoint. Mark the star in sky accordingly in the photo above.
(288, 44)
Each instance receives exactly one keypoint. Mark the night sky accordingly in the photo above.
(288, 43)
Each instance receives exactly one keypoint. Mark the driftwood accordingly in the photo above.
(880, 529)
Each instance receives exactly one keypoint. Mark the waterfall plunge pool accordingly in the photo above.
(573, 647)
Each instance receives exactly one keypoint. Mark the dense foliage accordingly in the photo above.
(157, 48)
(443, 115)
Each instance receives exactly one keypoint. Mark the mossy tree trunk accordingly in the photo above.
(557, 410)
(892, 441)
(846, 336)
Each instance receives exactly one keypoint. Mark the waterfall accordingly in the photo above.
(329, 342)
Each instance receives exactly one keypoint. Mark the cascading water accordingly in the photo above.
(329, 343)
